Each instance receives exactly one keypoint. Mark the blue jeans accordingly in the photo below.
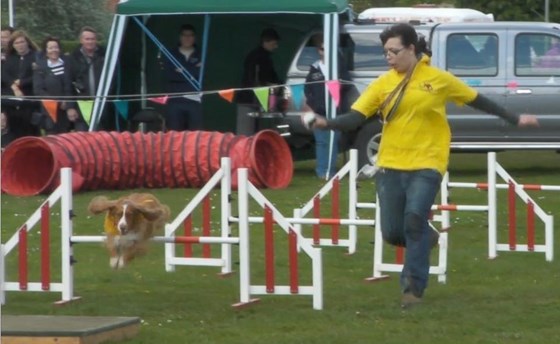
(183, 114)
(405, 199)
(322, 146)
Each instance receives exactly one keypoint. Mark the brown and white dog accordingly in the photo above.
(130, 222)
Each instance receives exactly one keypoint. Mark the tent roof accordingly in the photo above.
(138, 7)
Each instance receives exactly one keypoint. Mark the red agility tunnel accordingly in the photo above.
(112, 160)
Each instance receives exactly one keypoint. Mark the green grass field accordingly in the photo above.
(513, 299)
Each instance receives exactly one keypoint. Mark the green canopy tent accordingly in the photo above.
(227, 29)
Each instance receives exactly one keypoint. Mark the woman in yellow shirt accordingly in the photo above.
(414, 152)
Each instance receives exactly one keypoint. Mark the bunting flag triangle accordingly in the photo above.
(160, 100)
(85, 108)
(334, 90)
(297, 95)
(52, 108)
(122, 108)
(262, 96)
(227, 94)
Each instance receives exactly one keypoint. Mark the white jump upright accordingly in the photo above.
(63, 193)
(247, 190)
(380, 266)
(223, 177)
(350, 169)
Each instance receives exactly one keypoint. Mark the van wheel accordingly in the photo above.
(367, 142)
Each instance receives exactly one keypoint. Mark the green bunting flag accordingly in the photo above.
(85, 108)
(262, 96)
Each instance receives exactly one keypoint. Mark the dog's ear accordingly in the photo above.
(100, 204)
(151, 214)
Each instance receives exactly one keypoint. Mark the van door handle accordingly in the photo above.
(524, 91)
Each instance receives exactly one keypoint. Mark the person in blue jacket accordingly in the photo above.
(315, 99)
(183, 112)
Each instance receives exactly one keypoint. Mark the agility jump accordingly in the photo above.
(245, 192)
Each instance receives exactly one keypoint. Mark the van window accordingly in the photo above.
(368, 53)
(359, 51)
(472, 55)
(537, 55)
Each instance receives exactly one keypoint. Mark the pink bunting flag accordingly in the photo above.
(334, 90)
(160, 100)
(227, 94)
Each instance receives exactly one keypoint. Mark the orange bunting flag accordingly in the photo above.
(160, 100)
(227, 94)
(52, 108)
(334, 90)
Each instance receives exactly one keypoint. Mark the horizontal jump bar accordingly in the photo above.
(169, 240)
(306, 221)
(484, 186)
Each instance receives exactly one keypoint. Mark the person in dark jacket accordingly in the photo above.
(51, 80)
(85, 65)
(315, 99)
(7, 135)
(184, 112)
(17, 81)
(258, 70)
(5, 35)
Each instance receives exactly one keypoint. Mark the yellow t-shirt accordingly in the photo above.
(418, 135)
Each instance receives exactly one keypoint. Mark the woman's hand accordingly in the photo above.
(17, 91)
(526, 120)
(311, 121)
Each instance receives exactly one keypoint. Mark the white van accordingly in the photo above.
(423, 15)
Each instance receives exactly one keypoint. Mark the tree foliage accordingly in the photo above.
(61, 18)
(64, 18)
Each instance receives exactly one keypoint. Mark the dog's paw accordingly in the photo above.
(116, 262)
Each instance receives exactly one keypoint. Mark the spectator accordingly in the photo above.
(551, 59)
(315, 98)
(5, 36)
(258, 70)
(5, 39)
(184, 112)
(85, 65)
(51, 80)
(7, 135)
(414, 150)
(17, 75)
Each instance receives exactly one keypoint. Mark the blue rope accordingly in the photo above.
(117, 125)
(171, 58)
(204, 45)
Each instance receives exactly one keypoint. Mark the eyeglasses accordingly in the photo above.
(393, 52)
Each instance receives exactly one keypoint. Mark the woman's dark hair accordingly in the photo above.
(407, 35)
(269, 34)
(50, 39)
(187, 27)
